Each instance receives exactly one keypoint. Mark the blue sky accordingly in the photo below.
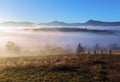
(61, 10)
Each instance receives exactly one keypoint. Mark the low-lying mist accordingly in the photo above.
(14, 49)
(24, 43)
(28, 42)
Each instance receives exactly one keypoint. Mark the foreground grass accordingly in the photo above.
(61, 68)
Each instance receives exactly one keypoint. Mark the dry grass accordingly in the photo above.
(61, 68)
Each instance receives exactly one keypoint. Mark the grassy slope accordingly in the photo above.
(64, 68)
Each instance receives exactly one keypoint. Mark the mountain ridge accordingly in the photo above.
(59, 23)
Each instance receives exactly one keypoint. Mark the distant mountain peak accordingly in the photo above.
(59, 23)
(55, 23)
(92, 21)
(101, 23)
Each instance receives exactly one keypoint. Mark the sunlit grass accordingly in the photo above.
(60, 68)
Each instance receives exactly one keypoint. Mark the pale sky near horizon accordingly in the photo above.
(61, 10)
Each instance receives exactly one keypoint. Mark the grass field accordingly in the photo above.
(61, 68)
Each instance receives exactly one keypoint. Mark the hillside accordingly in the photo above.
(64, 29)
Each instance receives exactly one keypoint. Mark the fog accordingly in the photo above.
(52, 43)
(32, 43)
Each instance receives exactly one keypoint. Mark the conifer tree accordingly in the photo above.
(79, 49)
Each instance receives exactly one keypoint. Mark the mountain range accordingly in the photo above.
(58, 23)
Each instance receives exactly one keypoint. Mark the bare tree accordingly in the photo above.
(97, 47)
(113, 46)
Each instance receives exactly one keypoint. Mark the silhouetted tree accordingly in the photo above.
(110, 51)
(79, 49)
(96, 47)
(113, 46)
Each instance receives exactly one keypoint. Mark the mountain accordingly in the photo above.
(101, 23)
(55, 23)
(17, 24)
(88, 23)
(58, 23)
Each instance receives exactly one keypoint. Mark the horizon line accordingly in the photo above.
(57, 21)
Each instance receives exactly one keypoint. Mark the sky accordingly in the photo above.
(42, 11)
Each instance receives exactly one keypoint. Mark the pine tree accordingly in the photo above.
(79, 49)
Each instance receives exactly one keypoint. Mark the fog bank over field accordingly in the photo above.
(57, 42)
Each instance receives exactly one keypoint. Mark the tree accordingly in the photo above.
(79, 49)
(96, 47)
(113, 46)
(12, 47)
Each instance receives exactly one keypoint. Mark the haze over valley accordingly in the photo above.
(24, 34)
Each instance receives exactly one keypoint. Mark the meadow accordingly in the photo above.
(61, 68)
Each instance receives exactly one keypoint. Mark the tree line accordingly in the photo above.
(13, 47)
(97, 49)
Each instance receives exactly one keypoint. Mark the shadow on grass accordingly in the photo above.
(99, 62)
(64, 68)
